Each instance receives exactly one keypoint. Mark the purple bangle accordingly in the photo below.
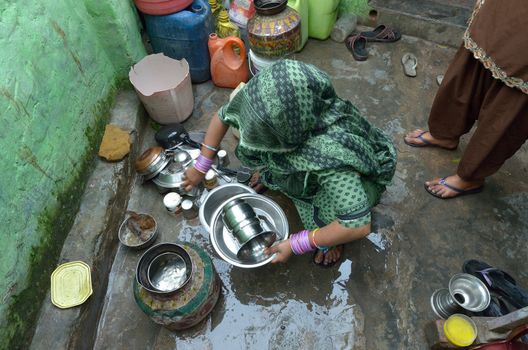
(300, 242)
(203, 164)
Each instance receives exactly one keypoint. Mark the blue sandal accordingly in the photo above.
(459, 191)
(426, 143)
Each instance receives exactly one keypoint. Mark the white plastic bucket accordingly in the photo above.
(258, 63)
(164, 86)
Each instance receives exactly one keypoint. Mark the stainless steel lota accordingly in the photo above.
(251, 239)
(443, 304)
(465, 291)
(469, 292)
(217, 197)
(273, 220)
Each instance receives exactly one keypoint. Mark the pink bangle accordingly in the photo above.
(300, 242)
(203, 164)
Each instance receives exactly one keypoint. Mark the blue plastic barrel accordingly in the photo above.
(184, 34)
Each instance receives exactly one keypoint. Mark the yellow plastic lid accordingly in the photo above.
(460, 330)
(71, 284)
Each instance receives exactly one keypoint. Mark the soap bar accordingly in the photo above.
(344, 26)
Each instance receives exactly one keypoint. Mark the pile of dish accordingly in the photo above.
(166, 168)
(242, 224)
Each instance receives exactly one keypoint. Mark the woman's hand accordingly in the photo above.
(282, 250)
(191, 178)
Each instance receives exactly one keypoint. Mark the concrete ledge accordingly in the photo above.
(93, 237)
(437, 22)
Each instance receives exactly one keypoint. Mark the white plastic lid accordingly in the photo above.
(187, 204)
(172, 200)
(209, 175)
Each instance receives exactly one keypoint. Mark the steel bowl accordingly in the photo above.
(272, 219)
(149, 261)
(131, 240)
(216, 198)
(167, 272)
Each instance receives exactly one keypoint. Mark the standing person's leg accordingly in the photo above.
(502, 129)
(456, 104)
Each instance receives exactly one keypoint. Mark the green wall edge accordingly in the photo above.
(53, 227)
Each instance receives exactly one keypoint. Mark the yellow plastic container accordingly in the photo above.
(322, 16)
(225, 27)
(460, 330)
(215, 10)
(301, 6)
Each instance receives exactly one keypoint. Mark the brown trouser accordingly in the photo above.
(470, 93)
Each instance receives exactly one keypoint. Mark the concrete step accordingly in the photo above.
(93, 237)
(440, 21)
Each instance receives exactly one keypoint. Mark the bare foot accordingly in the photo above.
(333, 255)
(442, 190)
(255, 182)
(417, 137)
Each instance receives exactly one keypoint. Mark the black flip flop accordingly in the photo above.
(460, 192)
(498, 281)
(382, 34)
(496, 308)
(426, 143)
(332, 264)
(357, 45)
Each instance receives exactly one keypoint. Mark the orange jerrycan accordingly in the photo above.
(228, 68)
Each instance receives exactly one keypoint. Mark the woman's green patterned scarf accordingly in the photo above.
(291, 123)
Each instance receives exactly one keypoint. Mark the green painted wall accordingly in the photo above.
(60, 64)
(358, 7)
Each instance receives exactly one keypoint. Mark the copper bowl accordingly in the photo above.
(151, 162)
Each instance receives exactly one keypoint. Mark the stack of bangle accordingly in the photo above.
(300, 242)
(203, 164)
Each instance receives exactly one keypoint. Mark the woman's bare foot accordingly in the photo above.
(331, 257)
(255, 182)
(422, 138)
(452, 186)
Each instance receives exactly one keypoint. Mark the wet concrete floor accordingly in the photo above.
(378, 297)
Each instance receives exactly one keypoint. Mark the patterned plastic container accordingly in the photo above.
(275, 36)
